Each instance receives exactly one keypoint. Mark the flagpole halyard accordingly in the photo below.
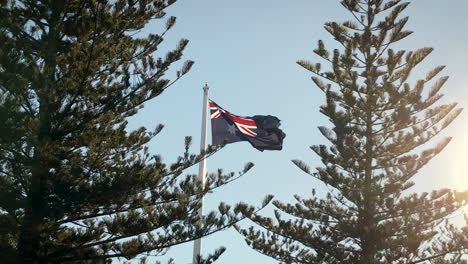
(202, 166)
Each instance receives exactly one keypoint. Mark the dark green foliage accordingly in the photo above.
(380, 124)
(75, 185)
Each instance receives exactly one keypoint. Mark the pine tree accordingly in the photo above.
(380, 123)
(75, 185)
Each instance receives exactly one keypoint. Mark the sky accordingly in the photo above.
(247, 51)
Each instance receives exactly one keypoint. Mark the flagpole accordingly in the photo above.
(202, 167)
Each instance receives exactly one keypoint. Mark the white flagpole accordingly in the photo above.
(202, 167)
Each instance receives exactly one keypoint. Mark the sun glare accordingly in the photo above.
(458, 164)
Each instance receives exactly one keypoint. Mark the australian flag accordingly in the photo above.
(261, 131)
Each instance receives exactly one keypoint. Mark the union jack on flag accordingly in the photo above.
(245, 125)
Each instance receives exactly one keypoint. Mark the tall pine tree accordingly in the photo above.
(380, 122)
(75, 185)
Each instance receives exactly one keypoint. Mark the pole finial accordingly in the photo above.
(206, 87)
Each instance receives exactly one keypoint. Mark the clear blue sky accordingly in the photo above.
(247, 51)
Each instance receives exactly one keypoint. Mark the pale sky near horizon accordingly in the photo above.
(247, 50)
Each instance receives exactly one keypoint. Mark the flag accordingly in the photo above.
(261, 131)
